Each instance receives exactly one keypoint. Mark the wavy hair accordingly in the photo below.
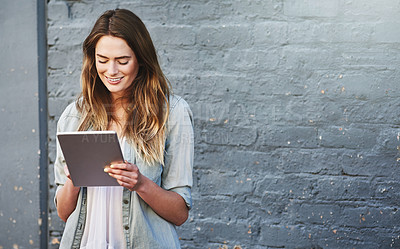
(147, 96)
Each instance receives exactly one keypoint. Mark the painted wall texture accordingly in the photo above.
(19, 126)
(297, 118)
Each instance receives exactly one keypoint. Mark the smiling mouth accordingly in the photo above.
(114, 80)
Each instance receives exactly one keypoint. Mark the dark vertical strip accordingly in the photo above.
(42, 73)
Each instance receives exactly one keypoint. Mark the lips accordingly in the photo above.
(114, 81)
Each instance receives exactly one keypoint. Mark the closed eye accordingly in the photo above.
(123, 63)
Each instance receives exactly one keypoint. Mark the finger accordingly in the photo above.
(125, 176)
(124, 166)
(122, 172)
(126, 185)
(119, 166)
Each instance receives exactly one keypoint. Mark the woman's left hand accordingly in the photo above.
(167, 204)
(127, 175)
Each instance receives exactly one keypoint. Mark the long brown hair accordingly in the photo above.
(147, 96)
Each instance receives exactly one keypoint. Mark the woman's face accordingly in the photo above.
(116, 64)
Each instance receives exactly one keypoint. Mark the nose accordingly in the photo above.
(112, 68)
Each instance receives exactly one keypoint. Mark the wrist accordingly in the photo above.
(143, 185)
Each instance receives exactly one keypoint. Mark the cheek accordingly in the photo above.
(134, 71)
(100, 68)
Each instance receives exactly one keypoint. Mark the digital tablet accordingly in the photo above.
(87, 153)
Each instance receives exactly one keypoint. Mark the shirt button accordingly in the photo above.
(126, 227)
(126, 201)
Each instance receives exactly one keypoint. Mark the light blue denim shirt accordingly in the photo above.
(143, 228)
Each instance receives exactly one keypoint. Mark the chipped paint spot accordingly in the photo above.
(323, 91)
(33, 130)
(212, 119)
(15, 246)
(55, 241)
(31, 242)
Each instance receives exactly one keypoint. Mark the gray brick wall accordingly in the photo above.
(297, 117)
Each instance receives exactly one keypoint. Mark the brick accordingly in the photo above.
(381, 112)
(225, 184)
(387, 192)
(365, 164)
(321, 214)
(315, 32)
(69, 35)
(386, 32)
(311, 8)
(310, 161)
(250, 61)
(371, 59)
(278, 136)
(249, 162)
(369, 217)
(221, 208)
(224, 36)
(374, 10)
(294, 58)
(286, 186)
(347, 137)
(57, 11)
(270, 34)
(218, 135)
(89, 12)
(285, 236)
(221, 231)
(260, 9)
(65, 60)
(335, 188)
(172, 35)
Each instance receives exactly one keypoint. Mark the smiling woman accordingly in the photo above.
(116, 64)
(124, 90)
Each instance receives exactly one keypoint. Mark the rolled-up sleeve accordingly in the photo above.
(179, 150)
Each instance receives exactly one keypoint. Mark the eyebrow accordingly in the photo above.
(117, 58)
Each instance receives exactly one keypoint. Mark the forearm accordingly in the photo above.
(67, 198)
(167, 204)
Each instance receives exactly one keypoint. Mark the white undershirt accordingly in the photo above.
(103, 227)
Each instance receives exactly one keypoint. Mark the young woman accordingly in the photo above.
(124, 90)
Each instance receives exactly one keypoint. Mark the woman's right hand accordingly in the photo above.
(67, 197)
